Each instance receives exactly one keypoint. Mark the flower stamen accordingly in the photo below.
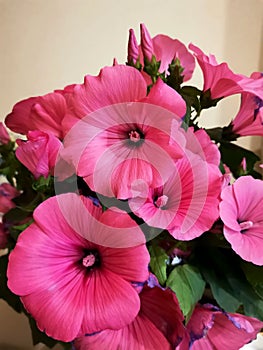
(245, 225)
(134, 136)
(161, 201)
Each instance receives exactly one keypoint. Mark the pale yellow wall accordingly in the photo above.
(46, 44)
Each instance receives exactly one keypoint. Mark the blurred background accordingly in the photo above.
(47, 44)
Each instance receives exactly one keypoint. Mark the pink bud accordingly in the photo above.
(244, 164)
(133, 48)
(4, 136)
(146, 43)
(39, 152)
(115, 62)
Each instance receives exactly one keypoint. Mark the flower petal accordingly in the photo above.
(106, 303)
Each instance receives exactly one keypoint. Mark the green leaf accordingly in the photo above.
(158, 263)
(232, 155)
(254, 275)
(230, 287)
(221, 289)
(187, 283)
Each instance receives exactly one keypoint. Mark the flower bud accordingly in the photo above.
(133, 48)
(146, 43)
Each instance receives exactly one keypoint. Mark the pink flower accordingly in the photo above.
(69, 272)
(44, 113)
(4, 136)
(249, 119)
(187, 204)
(126, 140)
(39, 153)
(212, 329)
(221, 81)
(241, 213)
(159, 325)
(7, 193)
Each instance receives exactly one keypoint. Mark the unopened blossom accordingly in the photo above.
(210, 328)
(146, 43)
(75, 266)
(133, 48)
(241, 213)
(158, 325)
(221, 81)
(39, 152)
(4, 136)
(7, 193)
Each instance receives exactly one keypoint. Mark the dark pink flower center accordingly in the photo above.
(161, 201)
(91, 259)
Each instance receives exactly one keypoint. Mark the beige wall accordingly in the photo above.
(46, 44)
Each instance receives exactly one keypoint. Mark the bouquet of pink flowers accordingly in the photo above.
(126, 225)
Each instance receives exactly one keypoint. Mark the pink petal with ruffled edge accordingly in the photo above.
(159, 325)
(19, 120)
(223, 331)
(220, 79)
(43, 113)
(162, 308)
(219, 330)
(166, 97)
(113, 85)
(105, 301)
(166, 49)
(200, 143)
(241, 205)
(140, 335)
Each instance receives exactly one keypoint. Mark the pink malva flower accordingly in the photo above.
(212, 329)
(126, 140)
(159, 325)
(68, 272)
(4, 136)
(39, 153)
(221, 81)
(165, 49)
(241, 213)
(249, 119)
(187, 204)
(44, 113)
(7, 193)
